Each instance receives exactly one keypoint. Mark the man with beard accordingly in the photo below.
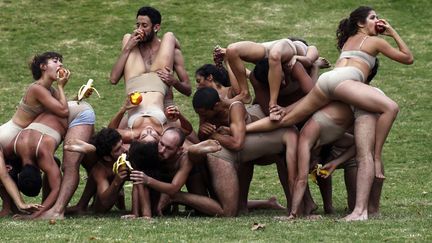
(139, 50)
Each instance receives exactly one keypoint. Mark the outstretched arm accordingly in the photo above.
(12, 189)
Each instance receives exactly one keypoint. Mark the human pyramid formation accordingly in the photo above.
(297, 120)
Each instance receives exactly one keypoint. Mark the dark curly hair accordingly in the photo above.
(220, 76)
(153, 14)
(205, 98)
(42, 59)
(349, 26)
(105, 140)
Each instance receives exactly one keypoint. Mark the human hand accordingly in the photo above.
(127, 105)
(139, 177)
(292, 62)
(329, 167)
(122, 174)
(207, 129)
(172, 112)
(62, 77)
(224, 130)
(166, 75)
(388, 30)
(29, 207)
(136, 36)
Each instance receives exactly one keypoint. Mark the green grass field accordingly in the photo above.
(89, 33)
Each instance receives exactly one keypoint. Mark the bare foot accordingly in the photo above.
(205, 147)
(313, 217)
(322, 63)
(310, 208)
(285, 218)
(76, 210)
(274, 204)
(129, 216)
(50, 214)
(77, 145)
(355, 217)
(379, 170)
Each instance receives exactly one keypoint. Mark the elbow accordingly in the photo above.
(188, 92)
(113, 80)
(64, 113)
(237, 146)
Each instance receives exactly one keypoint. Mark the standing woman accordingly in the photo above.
(359, 43)
(40, 95)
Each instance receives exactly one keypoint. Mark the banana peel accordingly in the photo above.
(317, 171)
(121, 161)
(85, 90)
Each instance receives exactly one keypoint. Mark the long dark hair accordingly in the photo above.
(348, 26)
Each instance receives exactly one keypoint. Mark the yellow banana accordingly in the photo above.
(121, 161)
(85, 89)
(316, 172)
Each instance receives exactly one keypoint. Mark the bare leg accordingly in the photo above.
(325, 186)
(236, 53)
(308, 135)
(144, 201)
(372, 100)
(280, 53)
(290, 139)
(71, 162)
(350, 176)
(375, 196)
(7, 202)
(312, 102)
(225, 184)
(165, 55)
(88, 193)
(364, 138)
(270, 203)
(245, 174)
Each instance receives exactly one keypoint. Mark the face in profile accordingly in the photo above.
(202, 81)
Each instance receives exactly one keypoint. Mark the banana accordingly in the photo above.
(313, 175)
(121, 161)
(83, 92)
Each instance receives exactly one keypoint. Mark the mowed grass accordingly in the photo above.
(89, 33)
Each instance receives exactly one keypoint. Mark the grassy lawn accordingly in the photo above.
(89, 33)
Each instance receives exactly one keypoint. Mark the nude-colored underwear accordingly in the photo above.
(147, 82)
(328, 81)
(8, 132)
(44, 130)
(146, 111)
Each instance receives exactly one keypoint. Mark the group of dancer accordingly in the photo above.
(298, 119)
